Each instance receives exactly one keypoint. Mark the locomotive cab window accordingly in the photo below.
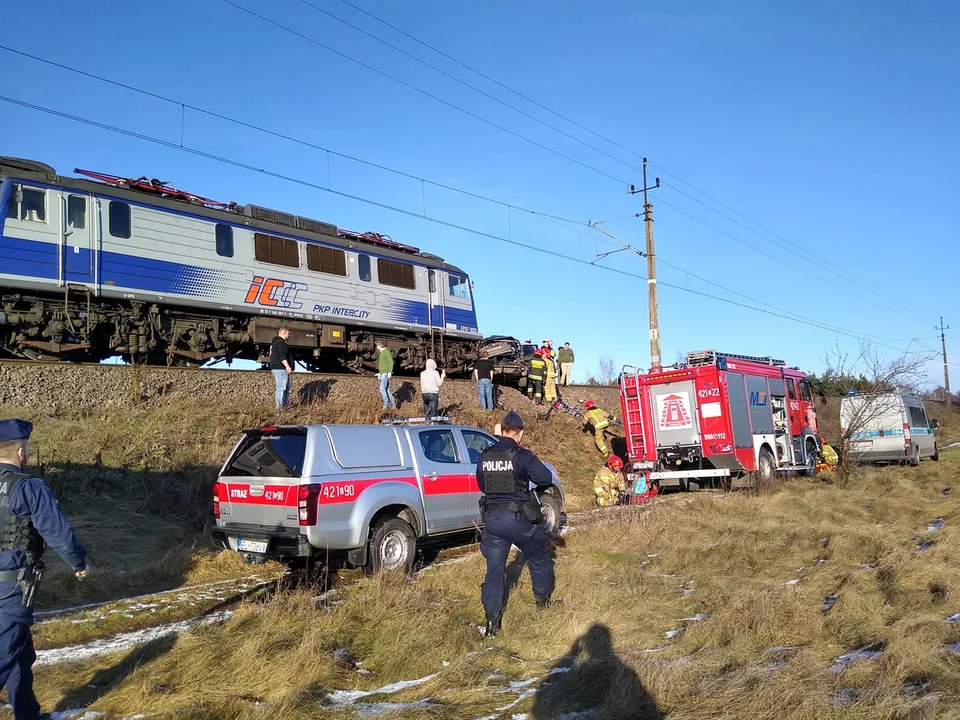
(224, 241)
(276, 250)
(363, 263)
(396, 274)
(77, 212)
(326, 260)
(119, 219)
(457, 286)
(27, 204)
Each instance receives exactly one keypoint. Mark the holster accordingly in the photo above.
(28, 578)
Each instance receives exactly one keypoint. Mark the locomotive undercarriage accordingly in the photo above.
(77, 327)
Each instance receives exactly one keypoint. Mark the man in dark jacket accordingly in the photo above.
(30, 518)
(281, 365)
(504, 472)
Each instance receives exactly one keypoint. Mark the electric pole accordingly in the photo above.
(655, 362)
(943, 343)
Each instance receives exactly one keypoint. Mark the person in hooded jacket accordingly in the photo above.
(430, 382)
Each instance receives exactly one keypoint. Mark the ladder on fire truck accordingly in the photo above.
(701, 358)
(632, 412)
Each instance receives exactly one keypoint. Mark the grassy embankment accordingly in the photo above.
(750, 571)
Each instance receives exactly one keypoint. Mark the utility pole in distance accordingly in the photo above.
(943, 344)
(655, 362)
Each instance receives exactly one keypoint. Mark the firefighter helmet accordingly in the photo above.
(614, 462)
(589, 404)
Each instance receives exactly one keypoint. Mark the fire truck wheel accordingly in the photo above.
(393, 546)
(810, 465)
(766, 466)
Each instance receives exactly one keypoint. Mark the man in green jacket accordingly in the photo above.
(384, 372)
(565, 358)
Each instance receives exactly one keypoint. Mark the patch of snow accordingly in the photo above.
(517, 684)
(76, 714)
(935, 525)
(844, 696)
(670, 634)
(368, 710)
(696, 618)
(125, 641)
(530, 692)
(656, 649)
(925, 546)
(688, 591)
(792, 582)
(343, 698)
(182, 592)
(841, 661)
(953, 618)
(828, 602)
(953, 647)
(776, 649)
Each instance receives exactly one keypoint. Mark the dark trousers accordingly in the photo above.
(430, 402)
(16, 668)
(502, 529)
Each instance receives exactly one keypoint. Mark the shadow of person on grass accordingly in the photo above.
(103, 681)
(593, 678)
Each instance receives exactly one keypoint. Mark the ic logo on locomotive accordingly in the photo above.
(271, 292)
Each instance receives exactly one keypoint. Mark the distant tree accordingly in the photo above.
(607, 374)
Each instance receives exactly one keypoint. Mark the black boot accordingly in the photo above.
(544, 601)
(493, 626)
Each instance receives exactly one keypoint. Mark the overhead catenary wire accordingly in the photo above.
(438, 221)
(220, 116)
(306, 143)
(837, 272)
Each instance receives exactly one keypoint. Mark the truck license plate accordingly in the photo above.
(257, 546)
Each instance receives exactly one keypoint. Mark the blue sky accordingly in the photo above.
(832, 125)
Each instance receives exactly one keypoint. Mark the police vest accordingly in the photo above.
(17, 533)
(500, 475)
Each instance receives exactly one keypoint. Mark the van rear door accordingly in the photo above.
(259, 484)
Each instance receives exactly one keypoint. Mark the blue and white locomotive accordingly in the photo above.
(135, 267)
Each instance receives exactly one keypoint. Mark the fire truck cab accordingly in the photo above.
(719, 417)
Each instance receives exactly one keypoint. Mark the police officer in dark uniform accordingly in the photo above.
(30, 518)
(512, 516)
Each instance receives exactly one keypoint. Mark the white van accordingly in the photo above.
(888, 427)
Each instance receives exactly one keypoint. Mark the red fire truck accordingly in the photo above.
(719, 417)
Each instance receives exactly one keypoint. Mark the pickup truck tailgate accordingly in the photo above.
(260, 482)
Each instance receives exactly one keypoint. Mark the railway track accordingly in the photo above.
(118, 368)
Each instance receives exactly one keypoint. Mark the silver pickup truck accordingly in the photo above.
(374, 491)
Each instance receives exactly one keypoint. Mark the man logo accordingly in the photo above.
(759, 399)
(272, 292)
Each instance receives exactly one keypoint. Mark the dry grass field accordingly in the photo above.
(815, 598)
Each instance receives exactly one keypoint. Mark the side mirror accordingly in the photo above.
(934, 425)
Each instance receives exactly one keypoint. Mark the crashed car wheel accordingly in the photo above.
(551, 513)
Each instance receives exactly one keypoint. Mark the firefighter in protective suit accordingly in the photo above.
(598, 420)
(512, 516)
(536, 371)
(30, 518)
(609, 483)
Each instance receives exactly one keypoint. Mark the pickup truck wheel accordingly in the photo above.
(551, 513)
(393, 547)
(915, 457)
(936, 453)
